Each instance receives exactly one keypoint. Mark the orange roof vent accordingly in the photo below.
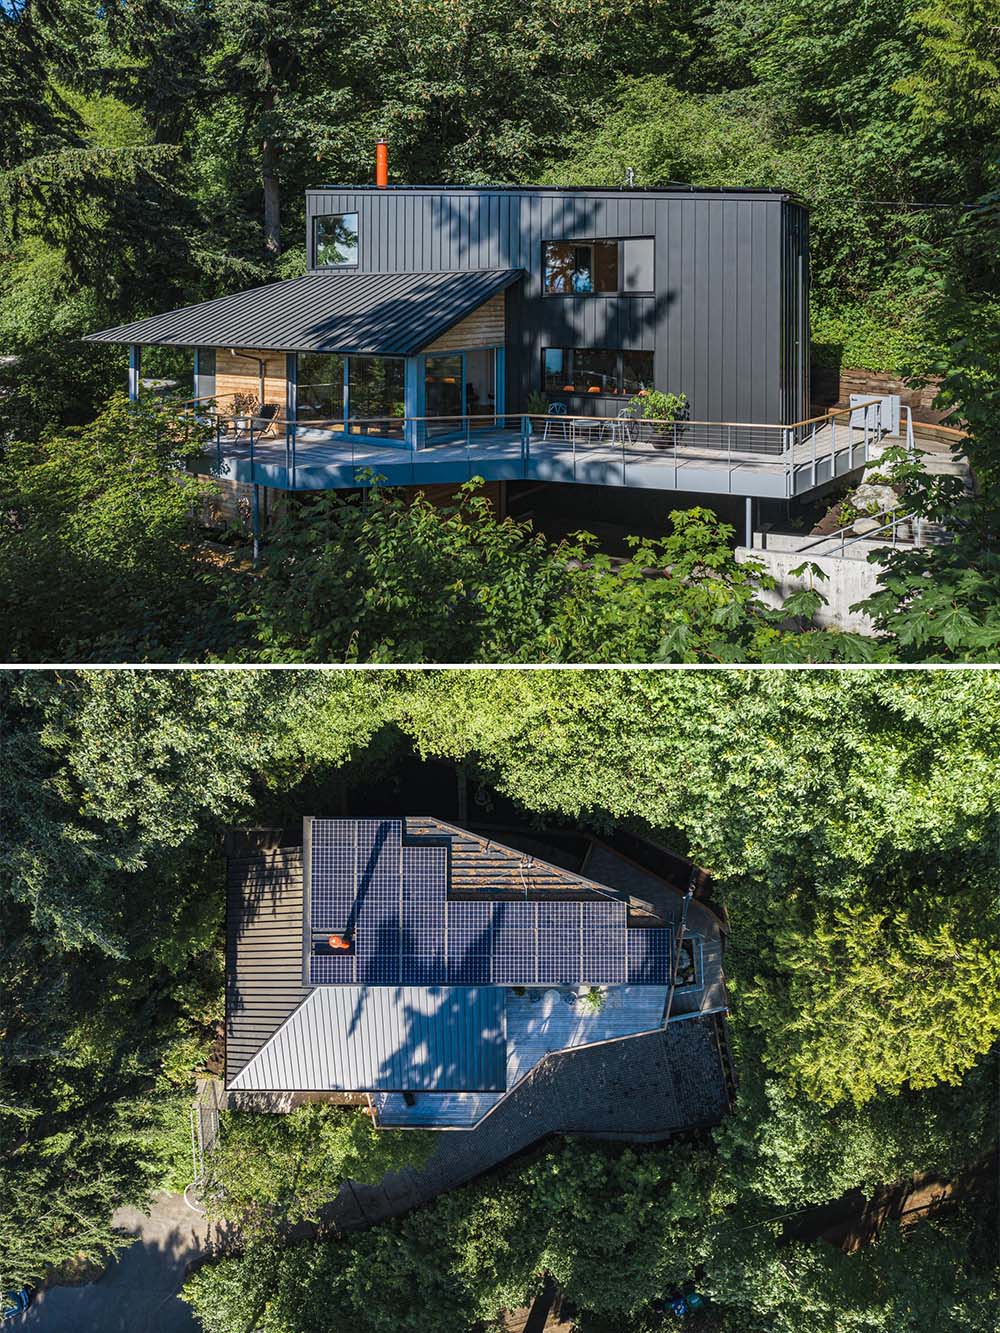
(382, 164)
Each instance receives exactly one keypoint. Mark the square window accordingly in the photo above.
(335, 240)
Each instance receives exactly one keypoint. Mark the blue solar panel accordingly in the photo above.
(649, 957)
(333, 886)
(603, 951)
(514, 958)
(421, 969)
(332, 970)
(392, 898)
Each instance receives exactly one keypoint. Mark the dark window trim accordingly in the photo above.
(590, 240)
(319, 217)
(620, 352)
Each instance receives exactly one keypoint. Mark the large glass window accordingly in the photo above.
(600, 371)
(319, 393)
(480, 385)
(335, 240)
(597, 267)
(376, 395)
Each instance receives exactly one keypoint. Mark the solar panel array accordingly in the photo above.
(391, 899)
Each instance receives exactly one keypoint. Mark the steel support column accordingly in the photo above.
(749, 522)
(134, 371)
(256, 523)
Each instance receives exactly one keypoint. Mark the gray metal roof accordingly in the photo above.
(386, 1038)
(382, 314)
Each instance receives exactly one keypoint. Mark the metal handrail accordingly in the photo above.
(893, 524)
(674, 439)
(567, 417)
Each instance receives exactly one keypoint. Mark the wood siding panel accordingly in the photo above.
(483, 328)
(234, 374)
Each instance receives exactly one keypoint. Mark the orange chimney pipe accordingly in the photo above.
(382, 164)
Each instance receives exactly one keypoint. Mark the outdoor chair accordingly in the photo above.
(621, 428)
(556, 429)
(266, 419)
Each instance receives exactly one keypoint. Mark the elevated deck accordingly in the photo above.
(715, 458)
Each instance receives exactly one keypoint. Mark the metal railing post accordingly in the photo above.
(814, 453)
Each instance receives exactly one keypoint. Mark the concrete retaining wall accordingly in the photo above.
(847, 580)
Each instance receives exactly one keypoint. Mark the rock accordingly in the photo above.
(862, 526)
(870, 495)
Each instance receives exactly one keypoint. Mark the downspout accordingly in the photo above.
(261, 364)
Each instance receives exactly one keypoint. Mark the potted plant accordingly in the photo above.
(244, 407)
(594, 999)
(654, 405)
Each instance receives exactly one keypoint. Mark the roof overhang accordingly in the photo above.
(374, 314)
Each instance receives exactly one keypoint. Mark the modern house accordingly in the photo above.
(431, 320)
(430, 972)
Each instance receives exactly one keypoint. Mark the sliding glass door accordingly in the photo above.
(457, 385)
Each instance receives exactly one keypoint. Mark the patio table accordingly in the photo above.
(589, 431)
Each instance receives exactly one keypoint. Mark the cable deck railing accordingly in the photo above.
(809, 452)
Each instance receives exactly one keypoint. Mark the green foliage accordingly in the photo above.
(658, 405)
(804, 793)
(275, 1170)
(96, 541)
(486, 1248)
(876, 1004)
(888, 332)
(942, 602)
(390, 578)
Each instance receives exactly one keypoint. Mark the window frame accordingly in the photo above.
(619, 354)
(323, 217)
(591, 241)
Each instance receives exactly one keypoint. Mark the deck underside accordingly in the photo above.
(324, 460)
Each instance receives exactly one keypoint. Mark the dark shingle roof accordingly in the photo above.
(381, 314)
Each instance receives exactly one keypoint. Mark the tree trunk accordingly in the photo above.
(269, 153)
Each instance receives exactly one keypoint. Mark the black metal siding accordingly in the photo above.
(716, 322)
(264, 942)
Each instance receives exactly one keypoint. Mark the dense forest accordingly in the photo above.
(154, 153)
(851, 822)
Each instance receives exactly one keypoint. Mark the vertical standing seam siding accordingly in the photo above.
(728, 304)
